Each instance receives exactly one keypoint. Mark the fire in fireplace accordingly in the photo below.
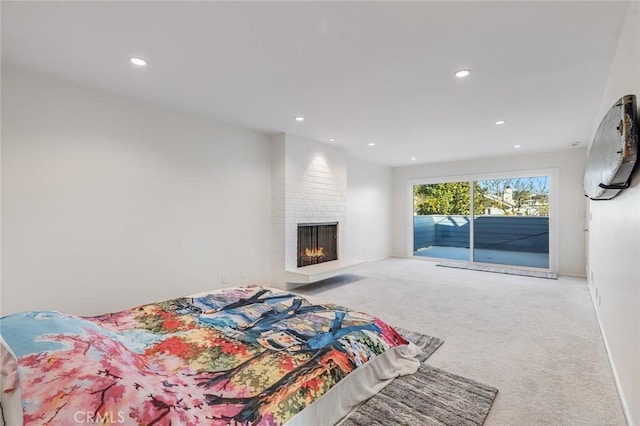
(317, 243)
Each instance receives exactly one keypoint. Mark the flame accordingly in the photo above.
(319, 252)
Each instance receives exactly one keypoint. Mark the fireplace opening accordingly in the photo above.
(317, 243)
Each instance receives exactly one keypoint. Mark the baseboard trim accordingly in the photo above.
(378, 259)
(572, 275)
(616, 379)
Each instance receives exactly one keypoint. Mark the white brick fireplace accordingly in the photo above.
(309, 185)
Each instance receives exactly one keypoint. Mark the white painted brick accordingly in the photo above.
(309, 185)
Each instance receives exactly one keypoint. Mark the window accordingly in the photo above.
(499, 219)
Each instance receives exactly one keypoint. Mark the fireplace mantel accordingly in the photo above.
(296, 277)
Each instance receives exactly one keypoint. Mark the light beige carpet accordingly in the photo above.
(499, 270)
(536, 340)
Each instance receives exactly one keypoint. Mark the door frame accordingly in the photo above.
(554, 211)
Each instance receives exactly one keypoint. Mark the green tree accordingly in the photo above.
(452, 198)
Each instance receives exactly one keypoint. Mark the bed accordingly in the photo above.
(237, 356)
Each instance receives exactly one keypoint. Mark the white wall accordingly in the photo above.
(107, 203)
(614, 239)
(571, 215)
(368, 211)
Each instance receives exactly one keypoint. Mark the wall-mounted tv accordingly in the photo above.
(614, 151)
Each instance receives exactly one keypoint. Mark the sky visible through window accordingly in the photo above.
(535, 184)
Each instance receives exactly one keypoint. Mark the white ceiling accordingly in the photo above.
(359, 72)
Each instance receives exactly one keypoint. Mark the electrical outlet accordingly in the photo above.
(224, 279)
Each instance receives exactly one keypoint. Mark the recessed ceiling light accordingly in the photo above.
(299, 118)
(332, 139)
(413, 158)
(516, 146)
(138, 61)
(462, 73)
(372, 144)
(499, 122)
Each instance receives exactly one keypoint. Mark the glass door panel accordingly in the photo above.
(441, 220)
(511, 221)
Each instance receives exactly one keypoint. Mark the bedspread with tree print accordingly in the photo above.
(239, 356)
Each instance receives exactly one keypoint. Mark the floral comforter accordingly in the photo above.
(239, 356)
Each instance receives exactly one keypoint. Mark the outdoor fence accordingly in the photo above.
(508, 233)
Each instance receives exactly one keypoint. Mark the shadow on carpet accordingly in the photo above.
(499, 270)
(427, 398)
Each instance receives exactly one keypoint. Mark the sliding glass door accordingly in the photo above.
(442, 220)
(501, 221)
(511, 221)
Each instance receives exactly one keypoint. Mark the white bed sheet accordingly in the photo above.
(10, 398)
